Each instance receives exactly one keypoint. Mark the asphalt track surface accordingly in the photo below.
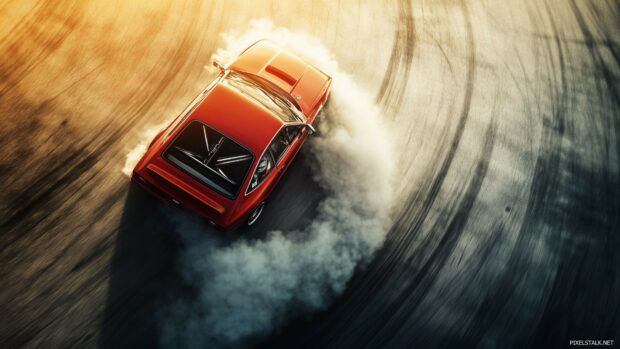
(505, 233)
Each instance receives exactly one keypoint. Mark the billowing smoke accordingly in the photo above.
(247, 288)
(145, 137)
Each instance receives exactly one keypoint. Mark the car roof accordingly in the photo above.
(238, 117)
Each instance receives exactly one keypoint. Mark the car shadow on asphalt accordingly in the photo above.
(142, 274)
(144, 277)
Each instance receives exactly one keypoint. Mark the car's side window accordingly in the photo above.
(283, 141)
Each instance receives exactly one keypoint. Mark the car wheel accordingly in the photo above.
(256, 213)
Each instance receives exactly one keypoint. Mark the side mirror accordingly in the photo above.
(310, 128)
(218, 65)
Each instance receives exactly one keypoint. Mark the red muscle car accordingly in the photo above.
(225, 153)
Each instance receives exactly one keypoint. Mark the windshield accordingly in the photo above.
(265, 93)
(210, 157)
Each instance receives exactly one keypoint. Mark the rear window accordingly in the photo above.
(210, 157)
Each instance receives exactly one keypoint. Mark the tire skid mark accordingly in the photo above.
(363, 295)
(17, 70)
(134, 106)
(395, 80)
(544, 185)
(39, 114)
(411, 219)
(75, 166)
(50, 284)
(66, 90)
(423, 280)
(599, 64)
(548, 217)
(14, 42)
(108, 143)
(46, 44)
(584, 251)
(17, 30)
(71, 170)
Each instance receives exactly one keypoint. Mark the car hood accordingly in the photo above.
(302, 81)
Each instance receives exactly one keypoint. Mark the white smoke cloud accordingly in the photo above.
(247, 288)
(136, 153)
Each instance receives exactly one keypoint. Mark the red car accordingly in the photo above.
(225, 153)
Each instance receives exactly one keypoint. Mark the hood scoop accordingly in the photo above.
(287, 69)
(282, 75)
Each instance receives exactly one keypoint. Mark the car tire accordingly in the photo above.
(256, 214)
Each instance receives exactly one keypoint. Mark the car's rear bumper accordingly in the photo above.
(178, 203)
